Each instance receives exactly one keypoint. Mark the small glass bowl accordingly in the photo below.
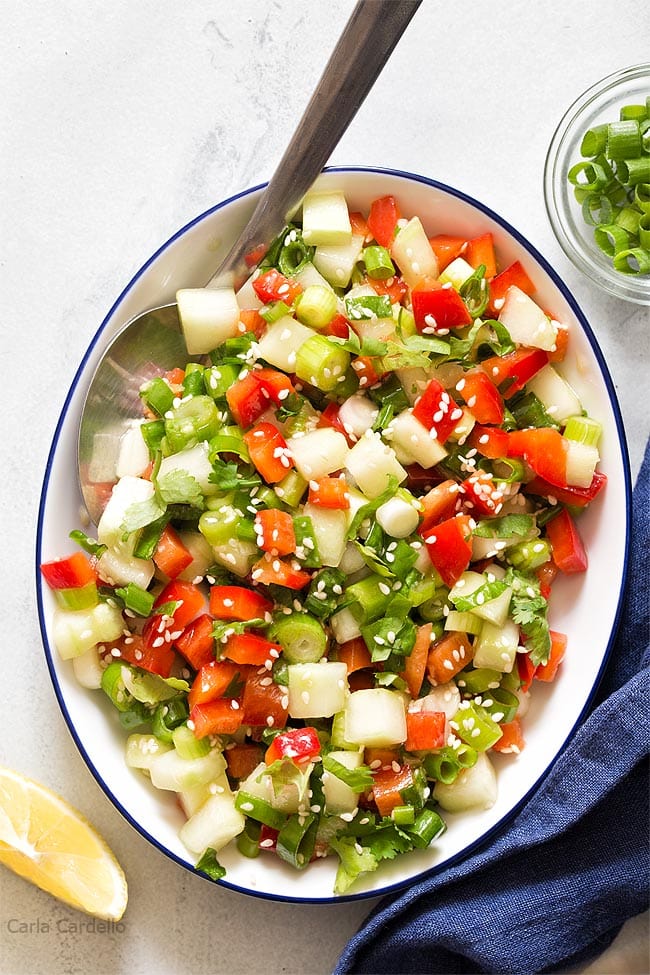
(600, 103)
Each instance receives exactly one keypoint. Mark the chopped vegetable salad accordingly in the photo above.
(318, 594)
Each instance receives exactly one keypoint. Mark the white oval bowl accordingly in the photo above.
(586, 607)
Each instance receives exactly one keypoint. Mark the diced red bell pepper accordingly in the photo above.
(415, 664)
(271, 571)
(73, 572)
(275, 532)
(387, 788)
(439, 504)
(450, 548)
(382, 219)
(526, 670)
(365, 367)
(546, 574)
(436, 410)
(544, 450)
(576, 497)
(481, 494)
(448, 656)
(276, 383)
(568, 551)
(268, 452)
(263, 703)
(300, 745)
(354, 654)
(223, 716)
(252, 321)
(425, 730)
(188, 596)
(330, 418)
(215, 679)
(446, 247)
(339, 326)
(248, 648)
(175, 378)
(359, 224)
(132, 649)
(247, 399)
(330, 492)
(491, 442)
(438, 308)
(171, 556)
(268, 839)
(480, 250)
(238, 603)
(547, 672)
(511, 740)
(512, 371)
(483, 399)
(275, 286)
(395, 288)
(196, 642)
(514, 274)
(242, 758)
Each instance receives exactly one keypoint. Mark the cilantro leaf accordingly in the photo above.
(528, 609)
(210, 866)
(355, 860)
(227, 475)
(484, 594)
(222, 630)
(179, 487)
(388, 841)
(142, 513)
(358, 779)
(506, 527)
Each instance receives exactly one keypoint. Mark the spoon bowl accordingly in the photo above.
(153, 341)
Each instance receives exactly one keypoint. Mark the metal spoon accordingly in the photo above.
(152, 341)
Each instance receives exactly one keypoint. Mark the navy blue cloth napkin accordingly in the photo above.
(553, 889)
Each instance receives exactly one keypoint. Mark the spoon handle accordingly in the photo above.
(365, 45)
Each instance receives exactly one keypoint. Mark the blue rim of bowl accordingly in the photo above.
(512, 812)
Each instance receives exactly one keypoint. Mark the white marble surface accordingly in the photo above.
(122, 121)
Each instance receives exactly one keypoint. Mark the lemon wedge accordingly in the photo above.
(45, 840)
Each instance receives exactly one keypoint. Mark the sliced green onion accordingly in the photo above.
(643, 228)
(594, 141)
(291, 489)
(306, 543)
(633, 171)
(259, 810)
(378, 262)
(596, 209)
(193, 381)
(403, 815)
(274, 311)
(248, 841)
(588, 175)
(83, 597)
(193, 420)
(638, 112)
(152, 433)
(368, 598)
(296, 840)
(316, 306)
(443, 766)
(158, 396)
(475, 292)
(611, 239)
(321, 363)
(623, 140)
(218, 379)
(168, 716)
(114, 688)
(294, 252)
(475, 726)
(136, 599)
(466, 756)
(642, 196)
(479, 680)
(187, 745)
(583, 429)
(629, 219)
(302, 638)
(501, 705)
(529, 555)
(463, 622)
(635, 260)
